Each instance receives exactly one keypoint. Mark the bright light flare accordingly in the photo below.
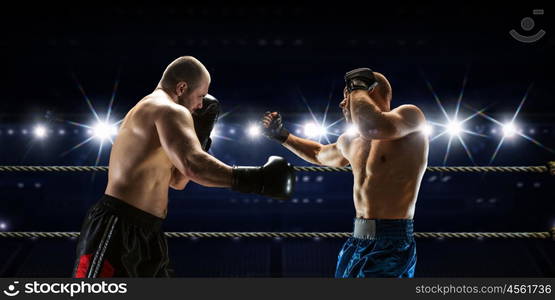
(509, 130)
(427, 129)
(103, 130)
(40, 131)
(312, 130)
(454, 128)
(352, 130)
(254, 131)
(215, 132)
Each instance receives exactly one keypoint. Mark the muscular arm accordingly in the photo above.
(179, 141)
(372, 123)
(316, 153)
(178, 181)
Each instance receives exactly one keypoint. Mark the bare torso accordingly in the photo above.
(139, 169)
(387, 174)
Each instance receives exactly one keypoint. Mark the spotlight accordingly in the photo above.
(454, 128)
(313, 130)
(40, 131)
(10, 131)
(254, 130)
(104, 131)
(427, 129)
(61, 132)
(509, 129)
(352, 130)
(3, 226)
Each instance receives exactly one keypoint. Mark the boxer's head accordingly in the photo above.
(380, 95)
(188, 79)
(345, 106)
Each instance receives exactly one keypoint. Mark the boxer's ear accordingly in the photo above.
(181, 88)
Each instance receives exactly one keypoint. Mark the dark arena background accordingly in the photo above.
(65, 69)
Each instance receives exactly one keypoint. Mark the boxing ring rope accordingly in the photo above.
(419, 235)
(548, 168)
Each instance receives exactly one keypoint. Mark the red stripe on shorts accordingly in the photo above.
(84, 264)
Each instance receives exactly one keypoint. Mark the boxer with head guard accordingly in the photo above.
(388, 157)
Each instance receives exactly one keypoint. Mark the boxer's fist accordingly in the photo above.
(205, 119)
(272, 127)
(274, 179)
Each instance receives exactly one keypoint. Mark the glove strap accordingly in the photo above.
(247, 179)
(282, 135)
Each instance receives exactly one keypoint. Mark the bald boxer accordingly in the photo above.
(162, 143)
(388, 157)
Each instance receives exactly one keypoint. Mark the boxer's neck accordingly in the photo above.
(171, 95)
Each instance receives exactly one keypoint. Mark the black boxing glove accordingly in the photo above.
(275, 179)
(204, 120)
(275, 129)
(360, 79)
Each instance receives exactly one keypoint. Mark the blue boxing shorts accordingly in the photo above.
(378, 248)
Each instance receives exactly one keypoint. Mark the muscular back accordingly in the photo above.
(139, 169)
(387, 174)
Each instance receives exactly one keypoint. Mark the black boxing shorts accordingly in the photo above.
(120, 240)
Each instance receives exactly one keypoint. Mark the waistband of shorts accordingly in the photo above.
(130, 213)
(383, 228)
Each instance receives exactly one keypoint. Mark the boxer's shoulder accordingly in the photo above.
(412, 114)
(347, 139)
(158, 105)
